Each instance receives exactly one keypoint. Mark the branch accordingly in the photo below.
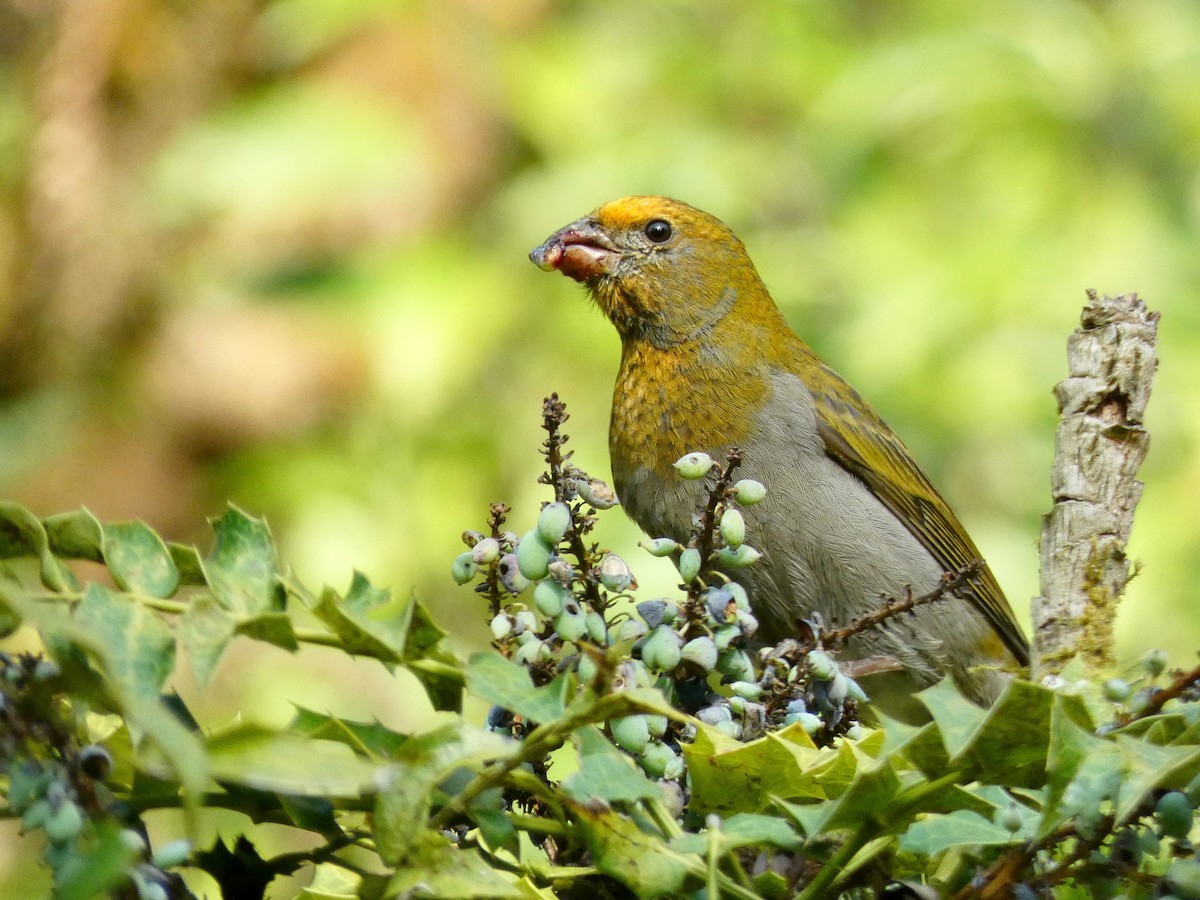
(1098, 448)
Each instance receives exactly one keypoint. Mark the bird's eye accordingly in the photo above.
(658, 230)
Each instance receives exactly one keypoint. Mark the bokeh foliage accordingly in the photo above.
(274, 253)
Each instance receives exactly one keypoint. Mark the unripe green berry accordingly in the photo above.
(726, 635)
(740, 597)
(701, 651)
(533, 556)
(749, 690)
(821, 665)
(659, 546)
(64, 823)
(736, 665)
(501, 625)
(510, 574)
(1117, 690)
(571, 623)
(689, 564)
(36, 814)
(1009, 817)
(464, 568)
(586, 669)
(656, 724)
(693, 466)
(596, 493)
(531, 652)
(731, 729)
(733, 527)
(739, 558)
(630, 733)
(1174, 813)
(554, 521)
(1183, 876)
(549, 597)
(810, 723)
(596, 628)
(631, 629)
(662, 650)
(748, 491)
(486, 551)
(657, 759)
(133, 841)
(1155, 661)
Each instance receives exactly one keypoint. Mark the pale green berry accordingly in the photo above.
(821, 665)
(486, 551)
(656, 759)
(533, 556)
(689, 564)
(693, 465)
(587, 669)
(659, 546)
(571, 623)
(737, 704)
(630, 733)
(735, 665)
(809, 723)
(173, 854)
(740, 597)
(748, 491)
(464, 568)
(554, 521)
(726, 635)
(856, 692)
(614, 573)
(1009, 817)
(549, 597)
(36, 815)
(132, 841)
(839, 688)
(731, 729)
(671, 612)
(656, 724)
(1117, 690)
(856, 732)
(527, 620)
(501, 625)
(733, 527)
(64, 823)
(712, 715)
(596, 628)
(739, 558)
(747, 623)
(662, 650)
(631, 629)
(532, 652)
(702, 652)
(1155, 661)
(749, 690)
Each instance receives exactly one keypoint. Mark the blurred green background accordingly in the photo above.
(276, 253)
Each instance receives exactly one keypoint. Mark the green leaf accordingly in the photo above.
(187, 563)
(742, 830)
(620, 849)
(962, 828)
(274, 628)
(280, 762)
(1082, 770)
(22, 534)
(139, 560)
(368, 739)
(205, 630)
(75, 535)
(332, 882)
(507, 684)
(310, 813)
(241, 569)
(367, 620)
(728, 776)
(138, 648)
(1147, 766)
(605, 772)
(1005, 744)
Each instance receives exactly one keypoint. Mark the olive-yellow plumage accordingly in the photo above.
(708, 362)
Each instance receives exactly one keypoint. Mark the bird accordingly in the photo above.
(709, 363)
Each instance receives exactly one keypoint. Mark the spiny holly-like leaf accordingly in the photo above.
(371, 739)
(241, 569)
(22, 534)
(205, 630)
(606, 773)
(139, 560)
(962, 828)
(138, 647)
(75, 535)
(367, 620)
(437, 868)
(742, 830)
(274, 628)
(620, 849)
(507, 684)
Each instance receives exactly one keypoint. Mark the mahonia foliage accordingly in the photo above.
(649, 748)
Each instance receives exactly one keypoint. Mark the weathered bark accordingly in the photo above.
(1098, 448)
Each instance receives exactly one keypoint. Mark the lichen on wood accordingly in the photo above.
(1099, 446)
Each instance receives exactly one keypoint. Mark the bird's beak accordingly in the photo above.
(581, 250)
